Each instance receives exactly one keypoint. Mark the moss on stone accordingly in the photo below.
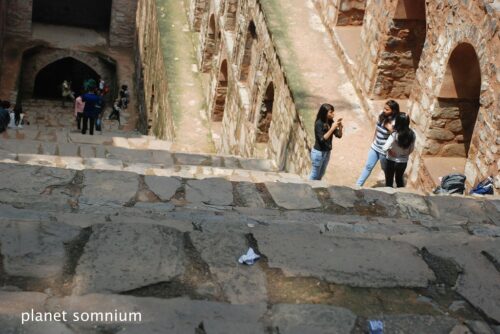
(177, 48)
(278, 27)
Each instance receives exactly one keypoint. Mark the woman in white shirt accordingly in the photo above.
(398, 146)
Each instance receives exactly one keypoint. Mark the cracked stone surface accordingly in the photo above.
(213, 191)
(355, 262)
(103, 188)
(34, 185)
(122, 257)
(383, 197)
(413, 206)
(241, 284)
(480, 281)
(458, 209)
(163, 187)
(293, 196)
(312, 319)
(343, 196)
(35, 249)
(249, 194)
(178, 315)
(396, 324)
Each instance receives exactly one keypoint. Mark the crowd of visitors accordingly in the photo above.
(393, 142)
(90, 104)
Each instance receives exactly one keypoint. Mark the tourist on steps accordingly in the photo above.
(90, 112)
(324, 129)
(66, 92)
(79, 106)
(398, 146)
(124, 96)
(382, 131)
(117, 108)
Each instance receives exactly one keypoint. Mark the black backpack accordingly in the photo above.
(451, 184)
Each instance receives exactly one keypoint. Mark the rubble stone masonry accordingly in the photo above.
(153, 104)
(473, 24)
(406, 50)
(253, 68)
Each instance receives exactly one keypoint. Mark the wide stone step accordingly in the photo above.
(193, 242)
(91, 158)
(140, 150)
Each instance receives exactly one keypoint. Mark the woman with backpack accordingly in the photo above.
(398, 146)
(382, 131)
(324, 129)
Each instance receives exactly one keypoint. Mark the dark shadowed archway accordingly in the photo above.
(220, 93)
(251, 39)
(48, 80)
(265, 115)
(94, 14)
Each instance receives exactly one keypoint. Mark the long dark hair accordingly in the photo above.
(382, 118)
(405, 135)
(323, 113)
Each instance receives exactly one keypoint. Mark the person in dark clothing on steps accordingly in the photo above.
(90, 112)
(324, 129)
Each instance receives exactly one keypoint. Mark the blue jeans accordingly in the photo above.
(373, 157)
(319, 162)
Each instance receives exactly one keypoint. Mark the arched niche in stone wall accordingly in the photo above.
(48, 80)
(265, 115)
(402, 51)
(246, 62)
(457, 107)
(37, 58)
(210, 44)
(220, 93)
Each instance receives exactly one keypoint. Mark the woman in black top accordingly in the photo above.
(324, 129)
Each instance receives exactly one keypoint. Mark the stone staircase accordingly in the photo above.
(51, 140)
(89, 237)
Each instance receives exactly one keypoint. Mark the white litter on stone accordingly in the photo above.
(249, 258)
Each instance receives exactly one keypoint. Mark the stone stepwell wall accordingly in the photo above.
(474, 23)
(151, 80)
(288, 143)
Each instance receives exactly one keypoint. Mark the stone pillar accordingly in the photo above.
(122, 28)
(3, 16)
(19, 18)
(196, 12)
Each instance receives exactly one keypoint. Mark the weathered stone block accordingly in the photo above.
(440, 134)
(453, 150)
(123, 257)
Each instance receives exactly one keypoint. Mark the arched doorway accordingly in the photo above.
(265, 115)
(48, 80)
(246, 63)
(220, 93)
(457, 107)
(450, 140)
